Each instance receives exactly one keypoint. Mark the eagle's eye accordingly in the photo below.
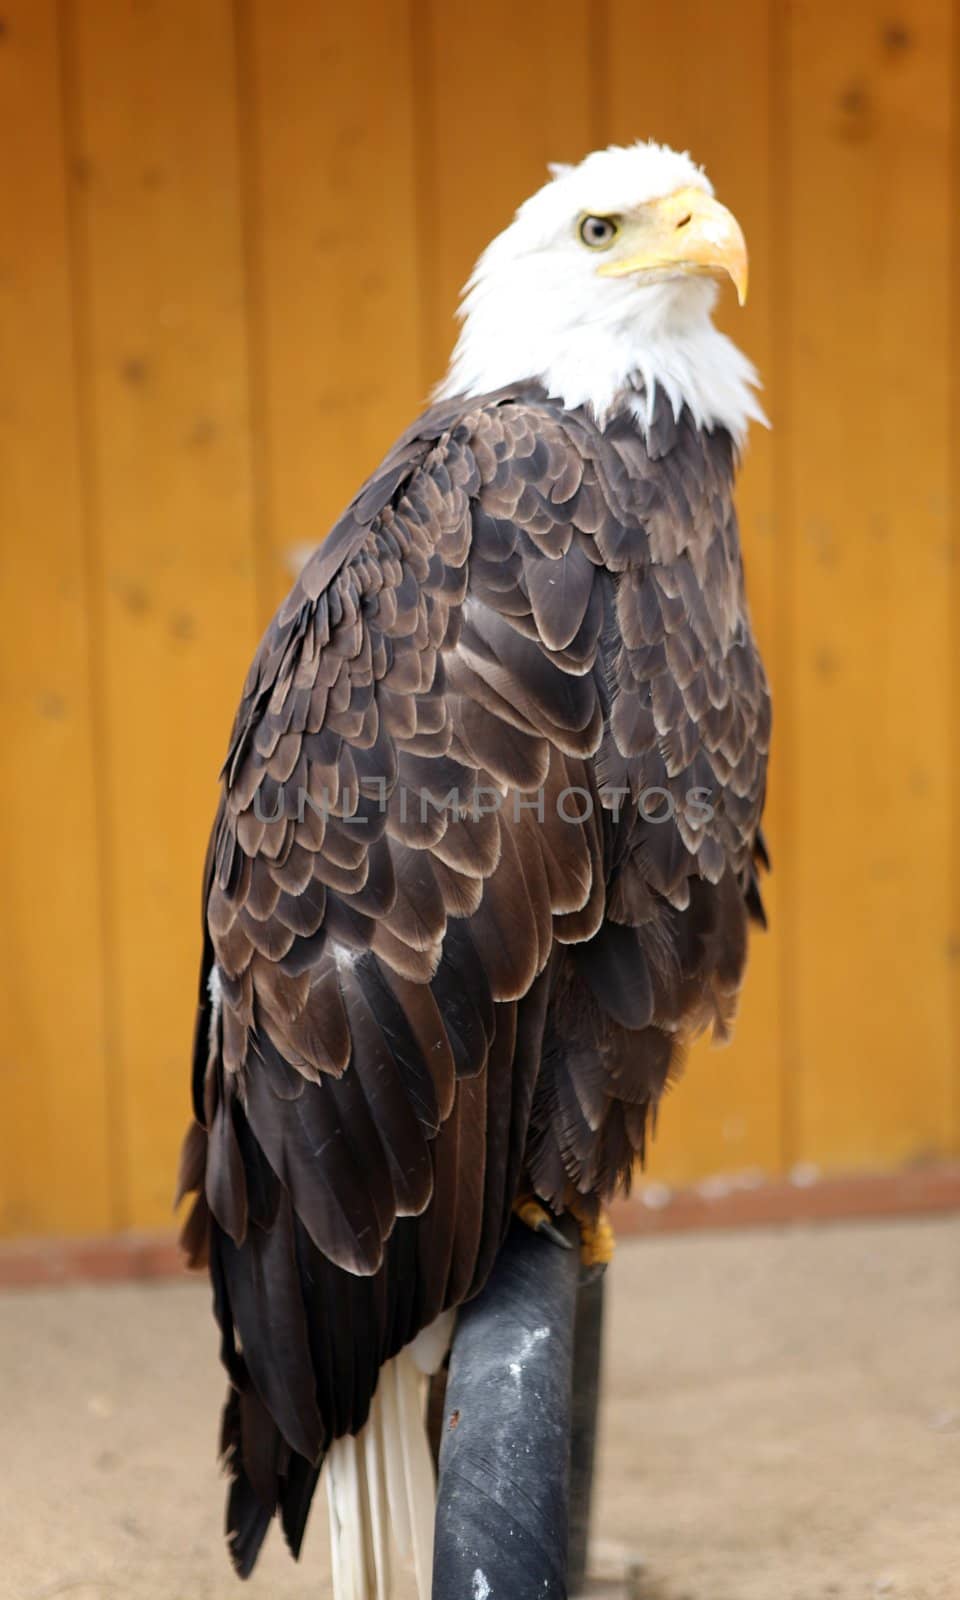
(598, 233)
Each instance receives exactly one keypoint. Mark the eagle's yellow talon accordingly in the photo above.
(532, 1213)
(597, 1242)
(535, 1216)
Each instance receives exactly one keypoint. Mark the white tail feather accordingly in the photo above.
(379, 1509)
(381, 1491)
(417, 1470)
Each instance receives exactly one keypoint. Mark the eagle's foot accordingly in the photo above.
(597, 1241)
(536, 1216)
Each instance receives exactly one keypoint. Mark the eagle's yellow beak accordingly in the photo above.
(685, 232)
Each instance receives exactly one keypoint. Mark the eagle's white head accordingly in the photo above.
(602, 288)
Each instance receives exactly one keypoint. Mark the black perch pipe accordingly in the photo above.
(502, 1494)
(587, 1347)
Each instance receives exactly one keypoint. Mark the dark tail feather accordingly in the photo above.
(248, 1518)
(265, 1474)
(296, 1494)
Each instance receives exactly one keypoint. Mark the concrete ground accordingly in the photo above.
(782, 1422)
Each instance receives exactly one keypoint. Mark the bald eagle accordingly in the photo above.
(487, 845)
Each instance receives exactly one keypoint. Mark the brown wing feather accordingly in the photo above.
(434, 790)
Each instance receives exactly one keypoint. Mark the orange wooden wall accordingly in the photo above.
(231, 238)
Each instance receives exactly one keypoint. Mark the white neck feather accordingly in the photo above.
(600, 345)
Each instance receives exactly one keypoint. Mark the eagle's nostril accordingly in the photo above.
(683, 221)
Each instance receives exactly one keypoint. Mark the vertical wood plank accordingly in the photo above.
(871, 812)
(155, 146)
(329, 120)
(54, 1152)
(504, 89)
(953, 423)
(703, 83)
